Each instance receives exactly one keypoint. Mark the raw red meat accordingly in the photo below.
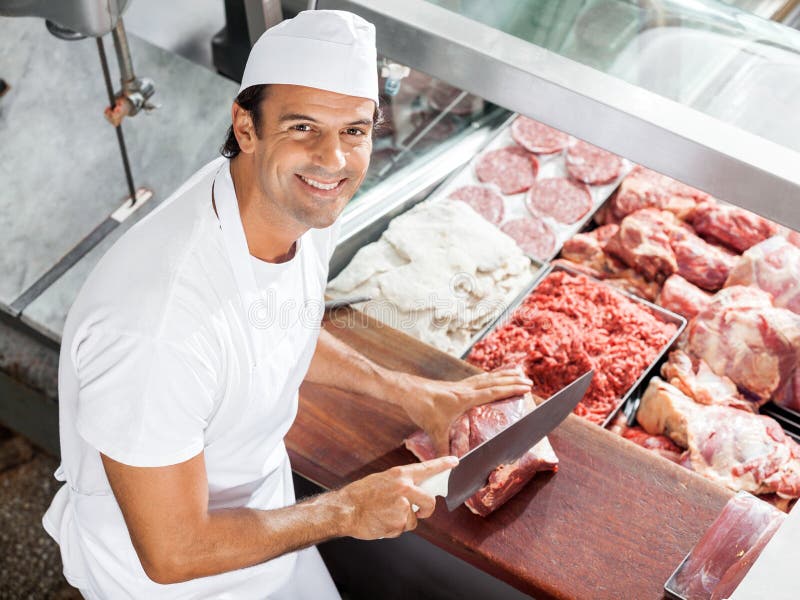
(723, 556)
(735, 448)
(533, 235)
(512, 169)
(660, 444)
(740, 334)
(643, 243)
(773, 266)
(483, 200)
(569, 324)
(558, 197)
(643, 188)
(735, 227)
(695, 378)
(591, 164)
(699, 262)
(475, 427)
(537, 137)
(682, 297)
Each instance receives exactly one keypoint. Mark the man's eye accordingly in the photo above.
(301, 127)
(354, 131)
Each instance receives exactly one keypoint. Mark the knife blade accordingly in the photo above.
(473, 468)
(339, 303)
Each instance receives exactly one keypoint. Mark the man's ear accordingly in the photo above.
(243, 128)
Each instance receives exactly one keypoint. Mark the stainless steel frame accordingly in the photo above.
(649, 129)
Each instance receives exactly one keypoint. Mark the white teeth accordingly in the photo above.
(318, 185)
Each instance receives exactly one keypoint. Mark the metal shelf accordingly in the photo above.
(661, 133)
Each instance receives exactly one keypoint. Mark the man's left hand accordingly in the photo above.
(434, 405)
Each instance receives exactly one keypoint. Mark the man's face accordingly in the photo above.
(313, 151)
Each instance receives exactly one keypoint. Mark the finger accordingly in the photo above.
(441, 444)
(504, 377)
(424, 502)
(419, 472)
(499, 392)
(411, 520)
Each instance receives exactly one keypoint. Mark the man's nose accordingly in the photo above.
(328, 153)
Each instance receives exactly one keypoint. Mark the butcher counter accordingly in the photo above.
(614, 521)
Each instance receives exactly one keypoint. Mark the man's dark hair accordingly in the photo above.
(250, 99)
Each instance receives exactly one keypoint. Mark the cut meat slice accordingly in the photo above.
(773, 266)
(682, 297)
(483, 200)
(533, 235)
(643, 188)
(735, 227)
(475, 427)
(591, 164)
(735, 448)
(537, 137)
(512, 169)
(725, 553)
(560, 198)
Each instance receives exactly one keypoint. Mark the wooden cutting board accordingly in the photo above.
(613, 522)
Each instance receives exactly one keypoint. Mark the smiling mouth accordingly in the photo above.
(321, 185)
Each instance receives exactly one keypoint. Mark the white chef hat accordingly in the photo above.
(330, 50)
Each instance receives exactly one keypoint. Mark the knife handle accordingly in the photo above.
(435, 486)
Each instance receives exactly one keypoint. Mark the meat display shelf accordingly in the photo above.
(637, 388)
(550, 69)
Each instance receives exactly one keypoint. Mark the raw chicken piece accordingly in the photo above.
(475, 427)
(682, 297)
(696, 379)
(735, 227)
(725, 553)
(735, 448)
(773, 266)
(643, 188)
(741, 335)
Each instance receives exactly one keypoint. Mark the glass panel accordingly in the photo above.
(423, 119)
(733, 65)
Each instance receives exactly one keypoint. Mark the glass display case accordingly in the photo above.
(701, 91)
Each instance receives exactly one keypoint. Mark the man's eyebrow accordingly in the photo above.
(302, 117)
(296, 117)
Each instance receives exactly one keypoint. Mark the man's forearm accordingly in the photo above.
(230, 539)
(338, 365)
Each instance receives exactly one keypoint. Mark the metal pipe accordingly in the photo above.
(124, 60)
(112, 100)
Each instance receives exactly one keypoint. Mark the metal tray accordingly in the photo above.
(660, 313)
(550, 165)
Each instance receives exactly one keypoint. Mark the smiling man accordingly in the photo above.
(184, 351)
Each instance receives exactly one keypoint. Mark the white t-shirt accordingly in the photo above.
(155, 367)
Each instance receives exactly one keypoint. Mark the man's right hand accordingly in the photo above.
(380, 505)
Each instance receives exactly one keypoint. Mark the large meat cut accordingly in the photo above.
(569, 324)
(773, 266)
(736, 448)
(475, 427)
(643, 188)
(723, 556)
(741, 335)
(733, 226)
(656, 244)
(682, 297)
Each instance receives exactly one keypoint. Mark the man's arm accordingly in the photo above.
(177, 538)
(431, 404)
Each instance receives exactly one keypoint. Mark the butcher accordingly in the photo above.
(184, 351)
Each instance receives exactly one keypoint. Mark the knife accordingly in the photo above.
(473, 468)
